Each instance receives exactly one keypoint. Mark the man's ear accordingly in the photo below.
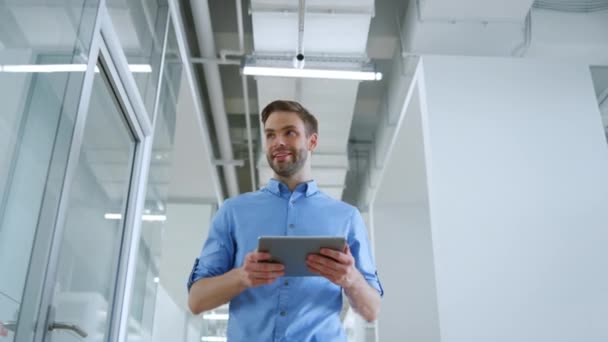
(312, 141)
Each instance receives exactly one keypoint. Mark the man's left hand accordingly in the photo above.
(338, 267)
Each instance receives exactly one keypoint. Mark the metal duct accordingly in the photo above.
(580, 6)
(206, 42)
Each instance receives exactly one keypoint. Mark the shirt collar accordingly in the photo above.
(277, 187)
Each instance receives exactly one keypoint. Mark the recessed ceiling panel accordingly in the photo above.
(46, 26)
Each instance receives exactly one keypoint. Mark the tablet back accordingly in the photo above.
(291, 251)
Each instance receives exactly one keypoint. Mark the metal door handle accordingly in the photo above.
(10, 325)
(68, 326)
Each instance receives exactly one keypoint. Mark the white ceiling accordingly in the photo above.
(475, 10)
(332, 28)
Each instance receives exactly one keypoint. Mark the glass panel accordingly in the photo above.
(159, 308)
(599, 75)
(140, 25)
(36, 121)
(146, 283)
(94, 224)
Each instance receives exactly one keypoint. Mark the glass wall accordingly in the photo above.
(141, 27)
(43, 55)
(94, 226)
(174, 222)
(599, 75)
(41, 82)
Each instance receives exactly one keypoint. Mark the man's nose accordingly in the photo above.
(279, 141)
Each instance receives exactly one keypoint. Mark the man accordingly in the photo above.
(265, 305)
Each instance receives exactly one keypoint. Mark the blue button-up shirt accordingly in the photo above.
(291, 308)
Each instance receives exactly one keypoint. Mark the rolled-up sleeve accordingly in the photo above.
(217, 255)
(361, 250)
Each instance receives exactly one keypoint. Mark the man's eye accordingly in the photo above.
(291, 133)
(269, 135)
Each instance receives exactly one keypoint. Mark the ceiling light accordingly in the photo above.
(312, 73)
(141, 68)
(45, 68)
(316, 67)
(216, 317)
(111, 216)
(159, 218)
(145, 217)
(156, 279)
(214, 339)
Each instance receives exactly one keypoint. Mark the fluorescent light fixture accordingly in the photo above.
(45, 68)
(313, 73)
(214, 339)
(158, 218)
(315, 67)
(156, 279)
(140, 68)
(145, 217)
(111, 216)
(216, 317)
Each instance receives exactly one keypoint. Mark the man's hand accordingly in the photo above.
(338, 267)
(256, 273)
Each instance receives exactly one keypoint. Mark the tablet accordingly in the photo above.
(291, 251)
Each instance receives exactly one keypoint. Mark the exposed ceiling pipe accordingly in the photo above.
(249, 140)
(241, 52)
(241, 34)
(206, 42)
(581, 6)
(301, 17)
(223, 60)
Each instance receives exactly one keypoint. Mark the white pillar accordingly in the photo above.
(490, 220)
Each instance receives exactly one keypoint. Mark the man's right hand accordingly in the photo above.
(257, 273)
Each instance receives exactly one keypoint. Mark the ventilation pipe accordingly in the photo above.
(206, 42)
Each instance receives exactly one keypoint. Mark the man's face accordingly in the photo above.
(287, 145)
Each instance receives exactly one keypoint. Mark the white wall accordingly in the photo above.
(405, 267)
(403, 235)
(518, 188)
(516, 162)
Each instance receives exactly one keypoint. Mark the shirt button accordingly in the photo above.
(292, 226)
(286, 283)
(283, 313)
(293, 201)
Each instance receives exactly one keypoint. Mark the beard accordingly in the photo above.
(287, 168)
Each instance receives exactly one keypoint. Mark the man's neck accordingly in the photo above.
(293, 181)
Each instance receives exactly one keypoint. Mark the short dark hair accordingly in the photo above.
(310, 122)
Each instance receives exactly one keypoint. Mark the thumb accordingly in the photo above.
(347, 249)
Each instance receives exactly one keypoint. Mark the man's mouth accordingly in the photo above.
(281, 156)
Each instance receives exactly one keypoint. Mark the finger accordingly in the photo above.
(326, 264)
(265, 275)
(261, 256)
(265, 267)
(340, 257)
(316, 270)
(258, 267)
(249, 258)
(255, 256)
